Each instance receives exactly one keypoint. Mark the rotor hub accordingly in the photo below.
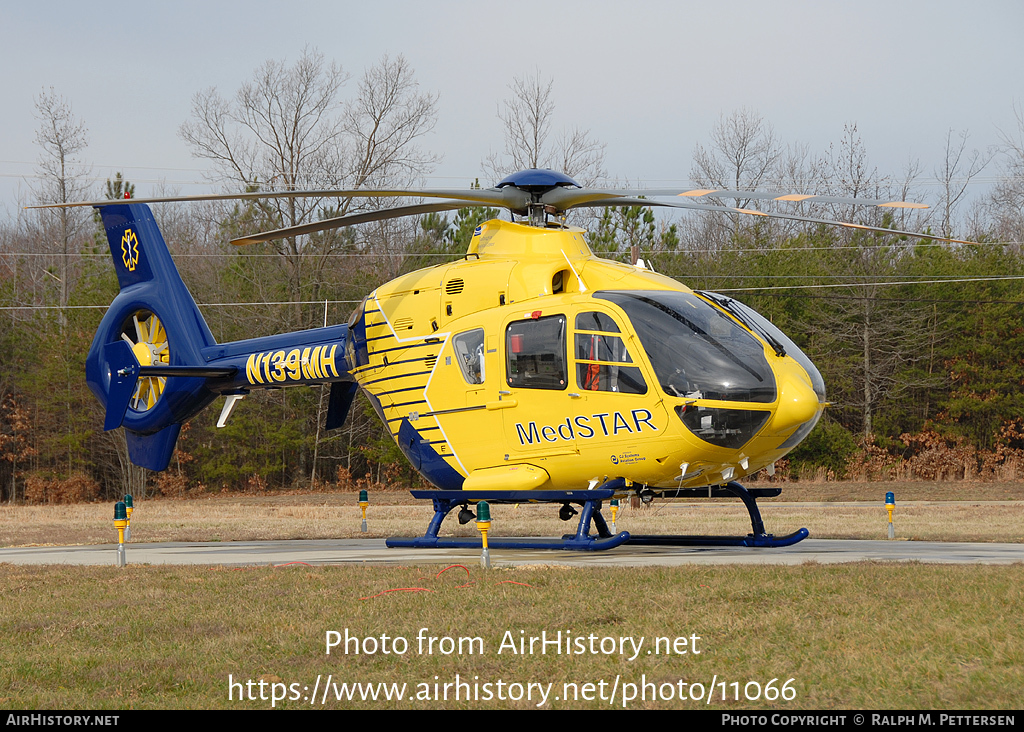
(538, 180)
(147, 337)
(144, 353)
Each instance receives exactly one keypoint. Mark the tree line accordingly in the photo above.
(920, 342)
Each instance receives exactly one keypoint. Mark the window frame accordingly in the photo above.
(630, 363)
(521, 378)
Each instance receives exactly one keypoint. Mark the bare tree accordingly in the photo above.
(527, 117)
(1006, 203)
(580, 156)
(282, 130)
(955, 173)
(878, 343)
(744, 153)
(289, 128)
(383, 126)
(798, 171)
(849, 174)
(527, 120)
(905, 189)
(61, 178)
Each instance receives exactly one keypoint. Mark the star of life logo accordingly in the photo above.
(130, 249)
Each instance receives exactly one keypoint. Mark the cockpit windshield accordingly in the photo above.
(697, 351)
(747, 314)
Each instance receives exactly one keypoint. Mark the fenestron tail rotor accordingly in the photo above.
(146, 336)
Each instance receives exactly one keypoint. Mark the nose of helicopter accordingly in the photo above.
(797, 403)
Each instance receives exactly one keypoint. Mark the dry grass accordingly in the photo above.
(395, 513)
(952, 490)
(851, 636)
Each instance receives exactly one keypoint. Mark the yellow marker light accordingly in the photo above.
(364, 501)
(120, 520)
(483, 525)
(120, 523)
(129, 505)
(890, 505)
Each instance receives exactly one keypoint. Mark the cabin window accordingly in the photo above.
(594, 320)
(469, 352)
(535, 353)
(602, 361)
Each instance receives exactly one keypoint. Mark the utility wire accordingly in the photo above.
(874, 284)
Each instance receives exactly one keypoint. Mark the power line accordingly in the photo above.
(875, 284)
(764, 250)
(895, 299)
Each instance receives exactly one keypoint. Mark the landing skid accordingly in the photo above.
(757, 537)
(590, 500)
(764, 540)
(445, 501)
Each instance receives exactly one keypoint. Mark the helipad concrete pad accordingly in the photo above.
(348, 551)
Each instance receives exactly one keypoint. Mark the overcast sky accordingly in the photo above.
(647, 78)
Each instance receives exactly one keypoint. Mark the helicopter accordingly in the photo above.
(529, 370)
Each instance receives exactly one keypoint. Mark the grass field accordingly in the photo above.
(862, 636)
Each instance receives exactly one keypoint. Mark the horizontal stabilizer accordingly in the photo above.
(125, 372)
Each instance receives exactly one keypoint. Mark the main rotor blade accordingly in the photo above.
(485, 196)
(510, 197)
(750, 212)
(351, 219)
(565, 198)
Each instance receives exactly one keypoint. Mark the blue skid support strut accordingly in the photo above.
(590, 500)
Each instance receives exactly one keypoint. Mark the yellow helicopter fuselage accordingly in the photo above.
(534, 364)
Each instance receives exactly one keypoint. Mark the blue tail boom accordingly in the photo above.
(154, 362)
